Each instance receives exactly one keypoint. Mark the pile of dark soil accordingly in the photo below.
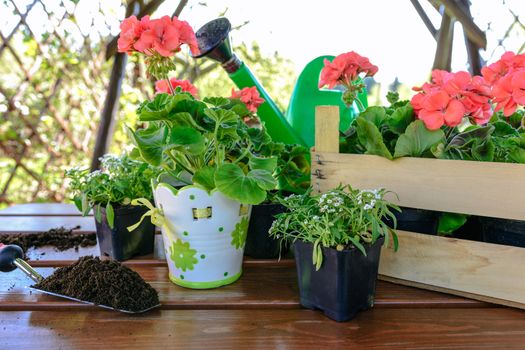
(103, 282)
(62, 238)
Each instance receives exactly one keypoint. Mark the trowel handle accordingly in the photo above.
(11, 257)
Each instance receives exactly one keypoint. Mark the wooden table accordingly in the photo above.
(260, 311)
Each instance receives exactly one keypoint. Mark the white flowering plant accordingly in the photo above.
(121, 180)
(342, 218)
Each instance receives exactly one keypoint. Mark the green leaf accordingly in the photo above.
(517, 155)
(504, 129)
(184, 119)
(205, 178)
(269, 164)
(110, 216)
(84, 204)
(417, 140)
(401, 118)
(259, 138)
(483, 150)
(78, 203)
(370, 137)
(98, 213)
(157, 109)
(150, 142)
(450, 222)
(264, 179)
(187, 140)
(375, 115)
(247, 189)
(217, 101)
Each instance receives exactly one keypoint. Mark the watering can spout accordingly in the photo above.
(214, 42)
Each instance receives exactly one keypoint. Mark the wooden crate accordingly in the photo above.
(477, 270)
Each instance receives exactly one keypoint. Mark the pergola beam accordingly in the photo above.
(424, 17)
(474, 33)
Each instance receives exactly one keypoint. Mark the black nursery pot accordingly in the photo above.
(120, 244)
(503, 231)
(259, 244)
(344, 285)
(416, 220)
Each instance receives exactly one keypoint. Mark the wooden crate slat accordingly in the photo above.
(478, 270)
(23, 224)
(467, 187)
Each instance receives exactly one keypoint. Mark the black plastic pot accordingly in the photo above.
(259, 244)
(503, 231)
(416, 220)
(344, 285)
(120, 244)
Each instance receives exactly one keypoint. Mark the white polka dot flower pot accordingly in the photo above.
(204, 235)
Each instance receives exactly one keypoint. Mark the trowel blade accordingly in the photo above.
(90, 303)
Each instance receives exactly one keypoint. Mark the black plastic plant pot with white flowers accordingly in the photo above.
(108, 194)
(337, 239)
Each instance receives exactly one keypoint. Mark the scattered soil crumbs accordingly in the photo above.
(103, 282)
(62, 238)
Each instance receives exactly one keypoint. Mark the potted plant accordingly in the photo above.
(450, 117)
(109, 193)
(212, 171)
(337, 240)
(292, 171)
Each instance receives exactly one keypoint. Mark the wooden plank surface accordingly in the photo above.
(483, 271)
(261, 286)
(264, 329)
(41, 209)
(21, 224)
(480, 188)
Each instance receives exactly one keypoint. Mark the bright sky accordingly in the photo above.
(389, 32)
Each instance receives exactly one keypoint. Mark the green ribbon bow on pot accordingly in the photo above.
(157, 218)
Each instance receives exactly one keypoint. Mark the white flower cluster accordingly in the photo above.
(368, 198)
(331, 202)
(93, 174)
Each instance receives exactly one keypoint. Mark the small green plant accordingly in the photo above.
(342, 218)
(120, 180)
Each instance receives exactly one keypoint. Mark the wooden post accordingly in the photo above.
(327, 129)
(445, 37)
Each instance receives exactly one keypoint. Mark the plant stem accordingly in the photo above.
(359, 104)
(170, 86)
(448, 133)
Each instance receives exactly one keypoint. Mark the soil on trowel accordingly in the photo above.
(62, 238)
(103, 282)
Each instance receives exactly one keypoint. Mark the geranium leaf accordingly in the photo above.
(264, 179)
(234, 184)
(150, 142)
(401, 118)
(417, 140)
(375, 115)
(266, 163)
(370, 137)
(159, 108)
(205, 178)
(188, 140)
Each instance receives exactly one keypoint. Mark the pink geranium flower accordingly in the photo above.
(473, 93)
(163, 36)
(249, 96)
(130, 31)
(344, 69)
(439, 108)
(161, 86)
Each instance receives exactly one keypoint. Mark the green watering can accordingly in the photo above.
(298, 127)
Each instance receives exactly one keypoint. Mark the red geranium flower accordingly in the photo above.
(161, 86)
(163, 36)
(130, 31)
(249, 96)
(344, 69)
(473, 93)
(439, 108)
